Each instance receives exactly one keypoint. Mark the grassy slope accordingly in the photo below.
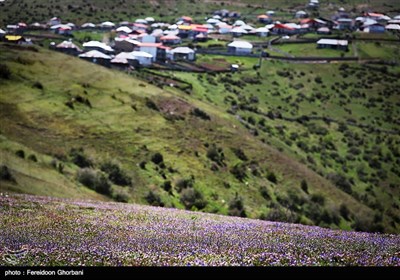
(336, 96)
(111, 129)
(115, 234)
(99, 10)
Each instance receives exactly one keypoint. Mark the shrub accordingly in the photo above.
(304, 186)
(276, 214)
(200, 113)
(79, 158)
(167, 186)
(264, 193)
(151, 105)
(239, 171)
(5, 72)
(240, 154)
(272, 177)
(20, 153)
(32, 158)
(340, 181)
(142, 164)
(5, 174)
(37, 85)
(236, 207)
(215, 154)
(121, 196)
(154, 199)
(182, 184)
(157, 158)
(318, 198)
(116, 174)
(192, 198)
(94, 180)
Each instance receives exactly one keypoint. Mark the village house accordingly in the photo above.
(123, 31)
(126, 58)
(262, 31)
(238, 31)
(62, 29)
(16, 39)
(333, 44)
(150, 48)
(162, 53)
(144, 58)
(97, 57)
(264, 19)
(182, 53)
(170, 40)
(88, 25)
(146, 38)
(284, 29)
(324, 31)
(125, 44)
(107, 25)
(301, 14)
(240, 48)
(344, 24)
(68, 47)
(373, 28)
(99, 46)
(54, 21)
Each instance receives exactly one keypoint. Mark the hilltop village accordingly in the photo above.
(147, 42)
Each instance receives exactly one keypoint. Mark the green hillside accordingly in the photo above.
(100, 10)
(132, 141)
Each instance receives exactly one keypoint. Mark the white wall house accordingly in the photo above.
(240, 47)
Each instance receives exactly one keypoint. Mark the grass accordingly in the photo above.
(383, 50)
(310, 50)
(276, 93)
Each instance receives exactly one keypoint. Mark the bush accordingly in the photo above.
(167, 186)
(272, 177)
(240, 154)
(121, 196)
(157, 158)
(344, 211)
(79, 158)
(5, 72)
(215, 154)
(239, 171)
(20, 153)
(154, 199)
(5, 174)
(37, 85)
(236, 207)
(200, 113)
(151, 105)
(94, 180)
(318, 198)
(340, 181)
(264, 193)
(192, 198)
(32, 158)
(182, 184)
(116, 174)
(304, 186)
